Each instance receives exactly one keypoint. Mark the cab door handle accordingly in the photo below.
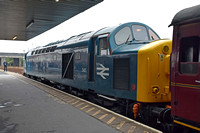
(197, 81)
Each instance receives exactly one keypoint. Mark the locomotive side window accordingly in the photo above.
(152, 35)
(53, 48)
(189, 55)
(44, 50)
(123, 36)
(32, 53)
(140, 32)
(103, 46)
(48, 49)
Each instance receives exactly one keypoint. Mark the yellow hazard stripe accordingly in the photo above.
(181, 123)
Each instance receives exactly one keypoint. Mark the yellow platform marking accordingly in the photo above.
(120, 125)
(90, 110)
(111, 120)
(103, 116)
(131, 130)
(70, 100)
(80, 104)
(96, 113)
(100, 108)
(75, 102)
(84, 107)
(56, 99)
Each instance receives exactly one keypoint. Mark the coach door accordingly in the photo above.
(187, 77)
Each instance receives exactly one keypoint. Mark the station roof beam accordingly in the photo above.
(23, 20)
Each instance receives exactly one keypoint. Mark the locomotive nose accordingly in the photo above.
(153, 72)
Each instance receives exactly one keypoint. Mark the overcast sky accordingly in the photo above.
(155, 13)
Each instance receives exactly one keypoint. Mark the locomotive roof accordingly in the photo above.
(79, 40)
(188, 14)
(74, 40)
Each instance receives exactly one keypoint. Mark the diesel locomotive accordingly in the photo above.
(126, 66)
(185, 69)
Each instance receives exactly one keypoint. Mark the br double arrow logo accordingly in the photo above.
(101, 71)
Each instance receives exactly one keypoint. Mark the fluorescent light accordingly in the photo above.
(29, 24)
(15, 37)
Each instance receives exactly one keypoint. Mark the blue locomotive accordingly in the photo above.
(126, 64)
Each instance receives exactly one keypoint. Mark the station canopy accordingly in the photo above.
(25, 19)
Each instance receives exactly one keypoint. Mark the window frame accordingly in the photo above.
(153, 33)
(97, 45)
(107, 47)
(181, 62)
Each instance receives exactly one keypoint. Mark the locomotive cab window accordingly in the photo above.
(124, 35)
(153, 35)
(103, 46)
(140, 32)
(189, 55)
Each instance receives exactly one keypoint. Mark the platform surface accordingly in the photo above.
(29, 106)
(26, 109)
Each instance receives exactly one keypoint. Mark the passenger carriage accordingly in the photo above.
(185, 68)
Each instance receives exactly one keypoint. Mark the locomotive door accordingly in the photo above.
(187, 75)
(98, 48)
(104, 64)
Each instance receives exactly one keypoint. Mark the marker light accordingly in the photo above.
(165, 49)
(155, 90)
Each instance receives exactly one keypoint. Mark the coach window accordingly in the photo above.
(103, 46)
(124, 35)
(189, 55)
(140, 32)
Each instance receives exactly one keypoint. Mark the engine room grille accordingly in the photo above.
(121, 73)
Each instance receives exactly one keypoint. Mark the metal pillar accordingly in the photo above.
(2, 60)
(20, 64)
(16, 61)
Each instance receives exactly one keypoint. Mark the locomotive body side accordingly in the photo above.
(126, 65)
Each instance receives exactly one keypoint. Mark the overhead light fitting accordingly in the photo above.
(57, 0)
(15, 37)
(29, 24)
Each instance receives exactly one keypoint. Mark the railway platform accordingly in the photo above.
(28, 106)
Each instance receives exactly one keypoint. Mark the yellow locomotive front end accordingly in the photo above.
(153, 72)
